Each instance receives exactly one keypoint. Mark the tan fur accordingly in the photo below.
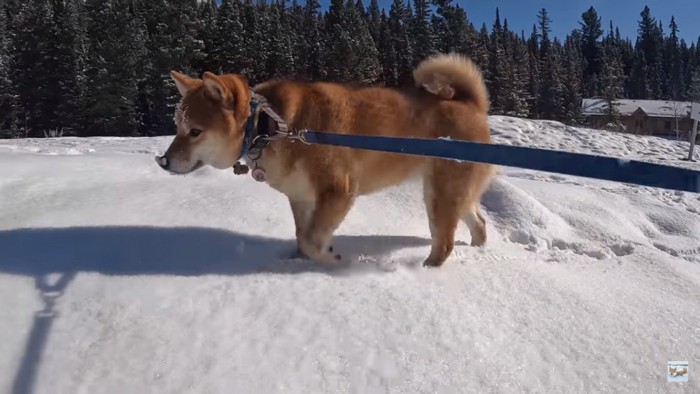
(447, 75)
(674, 371)
(322, 182)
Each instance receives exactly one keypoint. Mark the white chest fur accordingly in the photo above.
(293, 182)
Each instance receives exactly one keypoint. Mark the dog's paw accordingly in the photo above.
(329, 258)
(431, 263)
(298, 254)
(319, 254)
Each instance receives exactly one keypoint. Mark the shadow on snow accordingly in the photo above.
(132, 250)
(184, 251)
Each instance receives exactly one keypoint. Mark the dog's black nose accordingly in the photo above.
(162, 162)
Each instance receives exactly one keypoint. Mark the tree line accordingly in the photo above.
(101, 67)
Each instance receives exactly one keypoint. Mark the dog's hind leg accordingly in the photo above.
(443, 216)
(477, 226)
(452, 192)
(478, 178)
(331, 208)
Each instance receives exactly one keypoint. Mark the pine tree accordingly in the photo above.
(687, 67)
(337, 42)
(674, 64)
(172, 43)
(255, 41)
(387, 53)
(188, 46)
(367, 67)
(626, 56)
(401, 45)
(314, 50)
(499, 67)
(374, 16)
(280, 61)
(352, 55)
(639, 83)
(70, 55)
(507, 73)
(572, 61)
(592, 51)
(421, 31)
(8, 126)
(650, 43)
(533, 86)
(114, 68)
(551, 89)
(452, 30)
(692, 75)
(694, 86)
(228, 51)
(207, 32)
(101, 67)
(516, 100)
(480, 52)
(295, 24)
(33, 46)
(613, 82)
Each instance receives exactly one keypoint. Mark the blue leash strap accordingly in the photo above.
(577, 164)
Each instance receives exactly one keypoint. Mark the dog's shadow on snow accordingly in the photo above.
(184, 251)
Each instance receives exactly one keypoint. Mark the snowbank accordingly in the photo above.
(181, 284)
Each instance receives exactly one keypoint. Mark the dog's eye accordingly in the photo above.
(195, 132)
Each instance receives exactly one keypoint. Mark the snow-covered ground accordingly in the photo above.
(147, 282)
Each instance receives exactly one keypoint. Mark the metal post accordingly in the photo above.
(693, 136)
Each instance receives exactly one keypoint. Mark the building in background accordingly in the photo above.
(648, 117)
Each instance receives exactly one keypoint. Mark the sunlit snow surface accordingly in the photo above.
(176, 284)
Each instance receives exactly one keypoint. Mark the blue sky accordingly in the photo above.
(566, 14)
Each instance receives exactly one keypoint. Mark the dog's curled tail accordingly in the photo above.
(453, 77)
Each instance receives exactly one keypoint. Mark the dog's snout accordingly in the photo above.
(162, 162)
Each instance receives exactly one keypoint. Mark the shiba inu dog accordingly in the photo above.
(449, 99)
(675, 372)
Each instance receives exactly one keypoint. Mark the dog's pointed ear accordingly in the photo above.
(183, 82)
(214, 87)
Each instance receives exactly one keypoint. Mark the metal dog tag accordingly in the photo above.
(259, 174)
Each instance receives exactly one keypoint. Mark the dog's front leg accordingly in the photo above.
(330, 211)
(301, 210)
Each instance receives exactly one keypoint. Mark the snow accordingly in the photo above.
(156, 283)
(655, 108)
